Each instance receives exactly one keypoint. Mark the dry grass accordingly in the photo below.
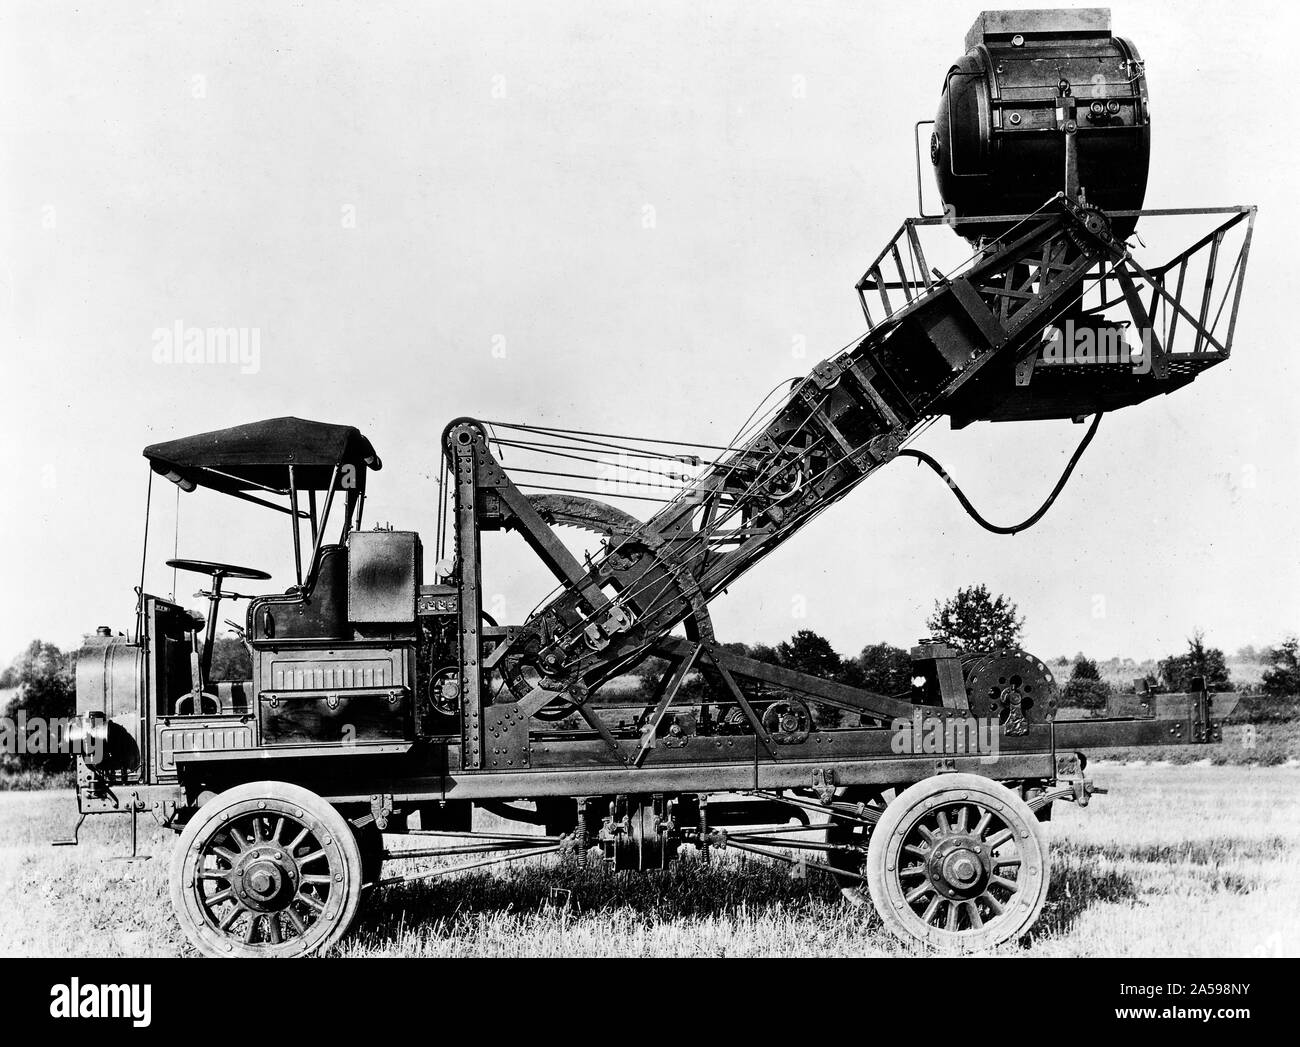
(1175, 861)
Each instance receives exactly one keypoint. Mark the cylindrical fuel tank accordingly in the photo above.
(1029, 79)
(110, 681)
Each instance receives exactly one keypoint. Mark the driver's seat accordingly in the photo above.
(318, 612)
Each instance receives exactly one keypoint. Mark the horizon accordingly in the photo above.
(1231, 656)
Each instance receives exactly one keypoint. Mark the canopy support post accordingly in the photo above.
(297, 538)
(144, 561)
(325, 515)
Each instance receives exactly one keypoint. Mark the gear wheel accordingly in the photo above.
(788, 721)
(630, 541)
(1012, 685)
(563, 510)
(634, 536)
(1090, 232)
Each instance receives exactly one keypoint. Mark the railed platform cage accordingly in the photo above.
(1046, 110)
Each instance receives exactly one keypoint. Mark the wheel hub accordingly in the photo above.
(265, 879)
(959, 867)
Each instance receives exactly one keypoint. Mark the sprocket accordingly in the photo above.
(1012, 685)
(1092, 235)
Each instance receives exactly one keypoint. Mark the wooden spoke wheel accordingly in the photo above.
(266, 869)
(959, 863)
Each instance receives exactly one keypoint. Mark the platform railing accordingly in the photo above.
(1189, 292)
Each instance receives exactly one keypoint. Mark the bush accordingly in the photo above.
(1178, 670)
(1086, 694)
(34, 781)
(1264, 708)
(1086, 689)
(1084, 669)
(1282, 678)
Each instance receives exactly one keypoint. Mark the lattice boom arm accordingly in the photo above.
(847, 418)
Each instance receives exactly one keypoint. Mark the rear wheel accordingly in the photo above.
(959, 863)
(266, 869)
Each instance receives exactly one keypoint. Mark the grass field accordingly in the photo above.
(1262, 744)
(1175, 861)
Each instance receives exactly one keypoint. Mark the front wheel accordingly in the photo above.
(266, 869)
(958, 862)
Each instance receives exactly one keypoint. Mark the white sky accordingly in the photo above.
(193, 163)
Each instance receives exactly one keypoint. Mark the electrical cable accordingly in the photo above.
(974, 514)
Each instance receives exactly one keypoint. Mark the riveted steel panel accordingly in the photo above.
(208, 736)
(383, 576)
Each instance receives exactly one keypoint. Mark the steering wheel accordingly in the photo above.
(211, 567)
(218, 572)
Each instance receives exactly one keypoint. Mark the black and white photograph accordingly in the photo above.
(594, 481)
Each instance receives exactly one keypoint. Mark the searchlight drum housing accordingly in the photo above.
(1041, 102)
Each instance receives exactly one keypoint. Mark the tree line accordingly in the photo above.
(42, 677)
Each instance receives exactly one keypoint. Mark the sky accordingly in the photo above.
(612, 216)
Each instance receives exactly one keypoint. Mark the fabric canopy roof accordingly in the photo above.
(259, 455)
